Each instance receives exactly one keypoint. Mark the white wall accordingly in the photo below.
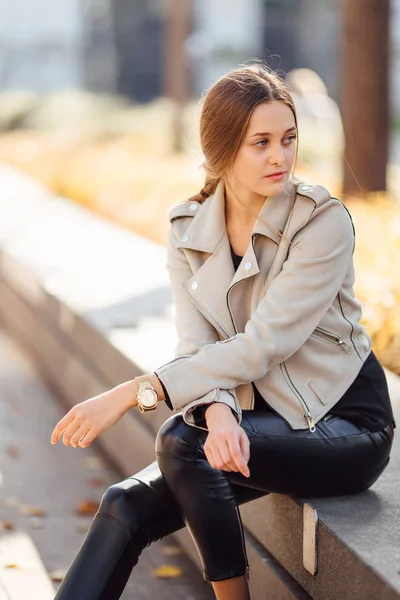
(41, 44)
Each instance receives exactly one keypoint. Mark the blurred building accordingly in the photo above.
(41, 44)
(119, 45)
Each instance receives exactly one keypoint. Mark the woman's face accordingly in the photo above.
(269, 146)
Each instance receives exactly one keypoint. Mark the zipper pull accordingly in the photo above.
(345, 345)
(309, 419)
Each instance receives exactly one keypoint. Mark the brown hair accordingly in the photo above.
(225, 116)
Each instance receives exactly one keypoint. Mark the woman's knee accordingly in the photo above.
(124, 502)
(137, 498)
(177, 438)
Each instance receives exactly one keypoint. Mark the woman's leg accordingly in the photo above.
(338, 458)
(132, 514)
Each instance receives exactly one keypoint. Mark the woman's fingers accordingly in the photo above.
(61, 425)
(70, 431)
(226, 456)
(228, 462)
(237, 455)
(245, 445)
(89, 437)
(78, 435)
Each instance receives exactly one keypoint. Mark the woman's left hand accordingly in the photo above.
(91, 417)
(227, 446)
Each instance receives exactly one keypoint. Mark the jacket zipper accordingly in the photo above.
(307, 415)
(243, 544)
(332, 337)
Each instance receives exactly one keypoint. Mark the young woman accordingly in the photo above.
(274, 384)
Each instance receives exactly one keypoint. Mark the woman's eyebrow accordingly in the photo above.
(287, 131)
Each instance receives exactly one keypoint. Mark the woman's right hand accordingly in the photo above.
(227, 446)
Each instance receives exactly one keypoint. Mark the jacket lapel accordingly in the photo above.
(221, 294)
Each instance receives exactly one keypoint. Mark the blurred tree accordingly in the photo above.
(176, 68)
(365, 94)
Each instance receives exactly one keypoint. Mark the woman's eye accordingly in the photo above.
(289, 139)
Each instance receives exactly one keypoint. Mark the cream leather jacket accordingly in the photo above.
(286, 320)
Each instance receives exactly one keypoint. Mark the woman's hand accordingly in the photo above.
(227, 446)
(91, 417)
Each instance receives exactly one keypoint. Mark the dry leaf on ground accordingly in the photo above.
(87, 507)
(96, 481)
(6, 526)
(167, 571)
(12, 566)
(33, 511)
(13, 451)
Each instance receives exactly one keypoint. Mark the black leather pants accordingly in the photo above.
(181, 488)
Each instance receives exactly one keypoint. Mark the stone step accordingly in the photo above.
(22, 574)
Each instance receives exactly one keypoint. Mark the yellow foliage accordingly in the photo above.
(116, 178)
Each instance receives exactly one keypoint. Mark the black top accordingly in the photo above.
(366, 402)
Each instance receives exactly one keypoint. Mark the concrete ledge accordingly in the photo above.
(22, 574)
(92, 304)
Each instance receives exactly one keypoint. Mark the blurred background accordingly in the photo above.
(98, 96)
(99, 110)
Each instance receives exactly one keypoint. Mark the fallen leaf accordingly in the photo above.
(167, 571)
(96, 481)
(12, 566)
(33, 511)
(87, 507)
(171, 550)
(6, 526)
(57, 575)
(13, 451)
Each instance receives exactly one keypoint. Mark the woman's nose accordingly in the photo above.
(277, 156)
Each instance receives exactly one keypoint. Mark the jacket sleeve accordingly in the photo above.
(294, 304)
(194, 332)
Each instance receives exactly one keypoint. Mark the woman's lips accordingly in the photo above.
(277, 177)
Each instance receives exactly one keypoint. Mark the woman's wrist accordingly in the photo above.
(157, 386)
(129, 390)
(217, 411)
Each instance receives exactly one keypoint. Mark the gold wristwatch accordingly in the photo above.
(147, 396)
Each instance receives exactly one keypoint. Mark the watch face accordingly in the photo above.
(148, 397)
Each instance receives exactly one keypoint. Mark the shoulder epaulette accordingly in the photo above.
(318, 193)
(183, 209)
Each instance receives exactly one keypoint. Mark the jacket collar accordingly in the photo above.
(208, 228)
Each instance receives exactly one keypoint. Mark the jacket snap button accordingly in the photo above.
(248, 266)
(185, 238)
(195, 285)
(194, 206)
(305, 188)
